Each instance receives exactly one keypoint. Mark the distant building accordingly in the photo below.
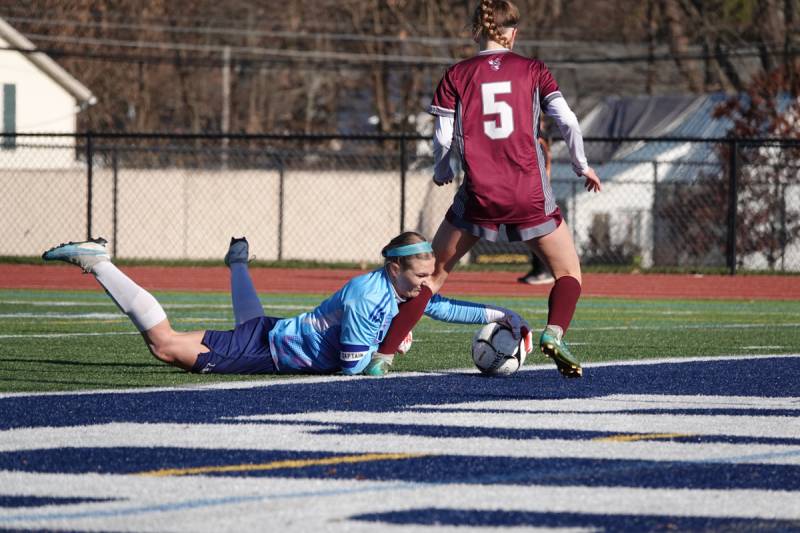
(646, 212)
(38, 96)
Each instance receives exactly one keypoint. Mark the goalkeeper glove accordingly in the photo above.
(518, 326)
(405, 346)
(379, 365)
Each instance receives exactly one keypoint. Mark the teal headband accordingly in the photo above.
(410, 249)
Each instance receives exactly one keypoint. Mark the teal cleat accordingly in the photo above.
(556, 349)
(85, 254)
(238, 251)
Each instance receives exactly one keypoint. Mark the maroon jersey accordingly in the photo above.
(496, 99)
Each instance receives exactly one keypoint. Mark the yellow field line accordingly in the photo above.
(292, 463)
(641, 436)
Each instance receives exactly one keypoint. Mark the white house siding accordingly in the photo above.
(627, 200)
(42, 106)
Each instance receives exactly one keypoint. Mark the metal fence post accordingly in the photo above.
(653, 215)
(281, 186)
(784, 231)
(733, 196)
(89, 177)
(573, 215)
(402, 183)
(114, 200)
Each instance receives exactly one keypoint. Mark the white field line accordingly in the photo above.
(200, 503)
(652, 328)
(55, 303)
(692, 326)
(762, 347)
(81, 316)
(311, 379)
(167, 305)
(624, 402)
(623, 422)
(60, 335)
(308, 432)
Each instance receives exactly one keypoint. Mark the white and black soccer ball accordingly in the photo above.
(495, 351)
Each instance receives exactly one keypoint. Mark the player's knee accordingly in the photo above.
(162, 353)
(437, 280)
(574, 275)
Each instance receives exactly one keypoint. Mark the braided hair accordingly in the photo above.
(491, 17)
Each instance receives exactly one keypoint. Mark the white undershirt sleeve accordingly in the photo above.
(571, 131)
(442, 143)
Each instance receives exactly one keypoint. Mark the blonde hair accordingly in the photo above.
(491, 17)
(407, 237)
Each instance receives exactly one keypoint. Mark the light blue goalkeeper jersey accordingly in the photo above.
(344, 330)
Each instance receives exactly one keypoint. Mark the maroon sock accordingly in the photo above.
(563, 299)
(410, 313)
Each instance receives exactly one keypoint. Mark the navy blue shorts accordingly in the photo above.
(243, 350)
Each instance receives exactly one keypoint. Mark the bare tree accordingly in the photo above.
(173, 82)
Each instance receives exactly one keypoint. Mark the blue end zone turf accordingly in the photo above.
(38, 501)
(453, 432)
(724, 377)
(451, 469)
(323, 443)
(590, 522)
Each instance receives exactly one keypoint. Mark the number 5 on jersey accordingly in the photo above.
(503, 126)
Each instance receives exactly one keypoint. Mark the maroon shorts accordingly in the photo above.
(520, 231)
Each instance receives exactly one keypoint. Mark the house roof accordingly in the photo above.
(656, 116)
(677, 116)
(80, 92)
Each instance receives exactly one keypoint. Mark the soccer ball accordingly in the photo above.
(495, 351)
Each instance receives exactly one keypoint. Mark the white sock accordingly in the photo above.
(140, 306)
(246, 304)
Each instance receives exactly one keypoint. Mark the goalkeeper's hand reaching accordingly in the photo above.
(379, 365)
(520, 329)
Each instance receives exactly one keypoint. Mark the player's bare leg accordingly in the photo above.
(179, 349)
(174, 347)
(558, 251)
(450, 244)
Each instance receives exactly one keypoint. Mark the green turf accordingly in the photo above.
(78, 340)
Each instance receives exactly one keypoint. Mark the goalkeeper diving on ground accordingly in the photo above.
(341, 334)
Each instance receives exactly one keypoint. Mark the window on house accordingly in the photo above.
(9, 115)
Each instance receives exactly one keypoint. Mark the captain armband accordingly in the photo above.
(351, 355)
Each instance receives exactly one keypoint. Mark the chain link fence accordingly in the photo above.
(671, 204)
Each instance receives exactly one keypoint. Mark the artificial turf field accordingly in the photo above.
(61, 340)
(687, 419)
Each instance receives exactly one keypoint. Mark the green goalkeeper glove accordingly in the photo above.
(379, 365)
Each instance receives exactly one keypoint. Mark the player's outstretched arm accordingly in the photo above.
(464, 312)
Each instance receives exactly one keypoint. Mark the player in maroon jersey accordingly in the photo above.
(487, 112)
